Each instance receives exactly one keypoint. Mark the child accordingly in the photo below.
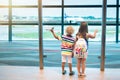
(81, 47)
(66, 48)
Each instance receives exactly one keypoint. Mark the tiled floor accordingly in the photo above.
(54, 73)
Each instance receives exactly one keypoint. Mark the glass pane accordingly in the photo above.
(81, 2)
(112, 51)
(75, 15)
(24, 2)
(25, 32)
(3, 32)
(51, 46)
(3, 15)
(111, 15)
(111, 2)
(4, 2)
(119, 34)
(25, 14)
(52, 15)
(110, 33)
(91, 30)
(47, 34)
(51, 2)
(119, 16)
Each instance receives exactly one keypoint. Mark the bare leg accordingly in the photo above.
(78, 65)
(70, 67)
(63, 65)
(83, 65)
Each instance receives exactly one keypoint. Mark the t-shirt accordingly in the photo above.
(67, 45)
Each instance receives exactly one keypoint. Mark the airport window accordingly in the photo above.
(51, 2)
(52, 15)
(25, 14)
(24, 25)
(111, 15)
(111, 2)
(3, 14)
(4, 2)
(110, 33)
(4, 32)
(75, 15)
(47, 35)
(119, 16)
(119, 34)
(24, 2)
(25, 32)
(81, 2)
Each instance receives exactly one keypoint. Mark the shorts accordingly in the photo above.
(66, 59)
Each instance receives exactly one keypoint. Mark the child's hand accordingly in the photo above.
(52, 29)
(96, 31)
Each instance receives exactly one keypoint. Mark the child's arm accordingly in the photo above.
(92, 35)
(55, 36)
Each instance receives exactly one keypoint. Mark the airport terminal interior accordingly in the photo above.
(28, 50)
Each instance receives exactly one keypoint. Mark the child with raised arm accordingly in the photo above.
(67, 44)
(81, 47)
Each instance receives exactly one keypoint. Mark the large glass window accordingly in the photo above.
(3, 32)
(24, 2)
(119, 34)
(4, 2)
(47, 34)
(81, 2)
(25, 14)
(51, 2)
(75, 15)
(3, 14)
(111, 2)
(111, 15)
(25, 32)
(110, 33)
(52, 15)
(119, 16)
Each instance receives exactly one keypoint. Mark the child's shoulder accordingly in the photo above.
(68, 37)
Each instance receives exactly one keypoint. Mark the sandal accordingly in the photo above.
(84, 75)
(64, 72)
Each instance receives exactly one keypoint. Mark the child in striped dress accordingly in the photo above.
(67, 44)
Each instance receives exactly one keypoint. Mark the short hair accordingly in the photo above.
(69, 30)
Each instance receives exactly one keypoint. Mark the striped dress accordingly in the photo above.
(67, 45)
